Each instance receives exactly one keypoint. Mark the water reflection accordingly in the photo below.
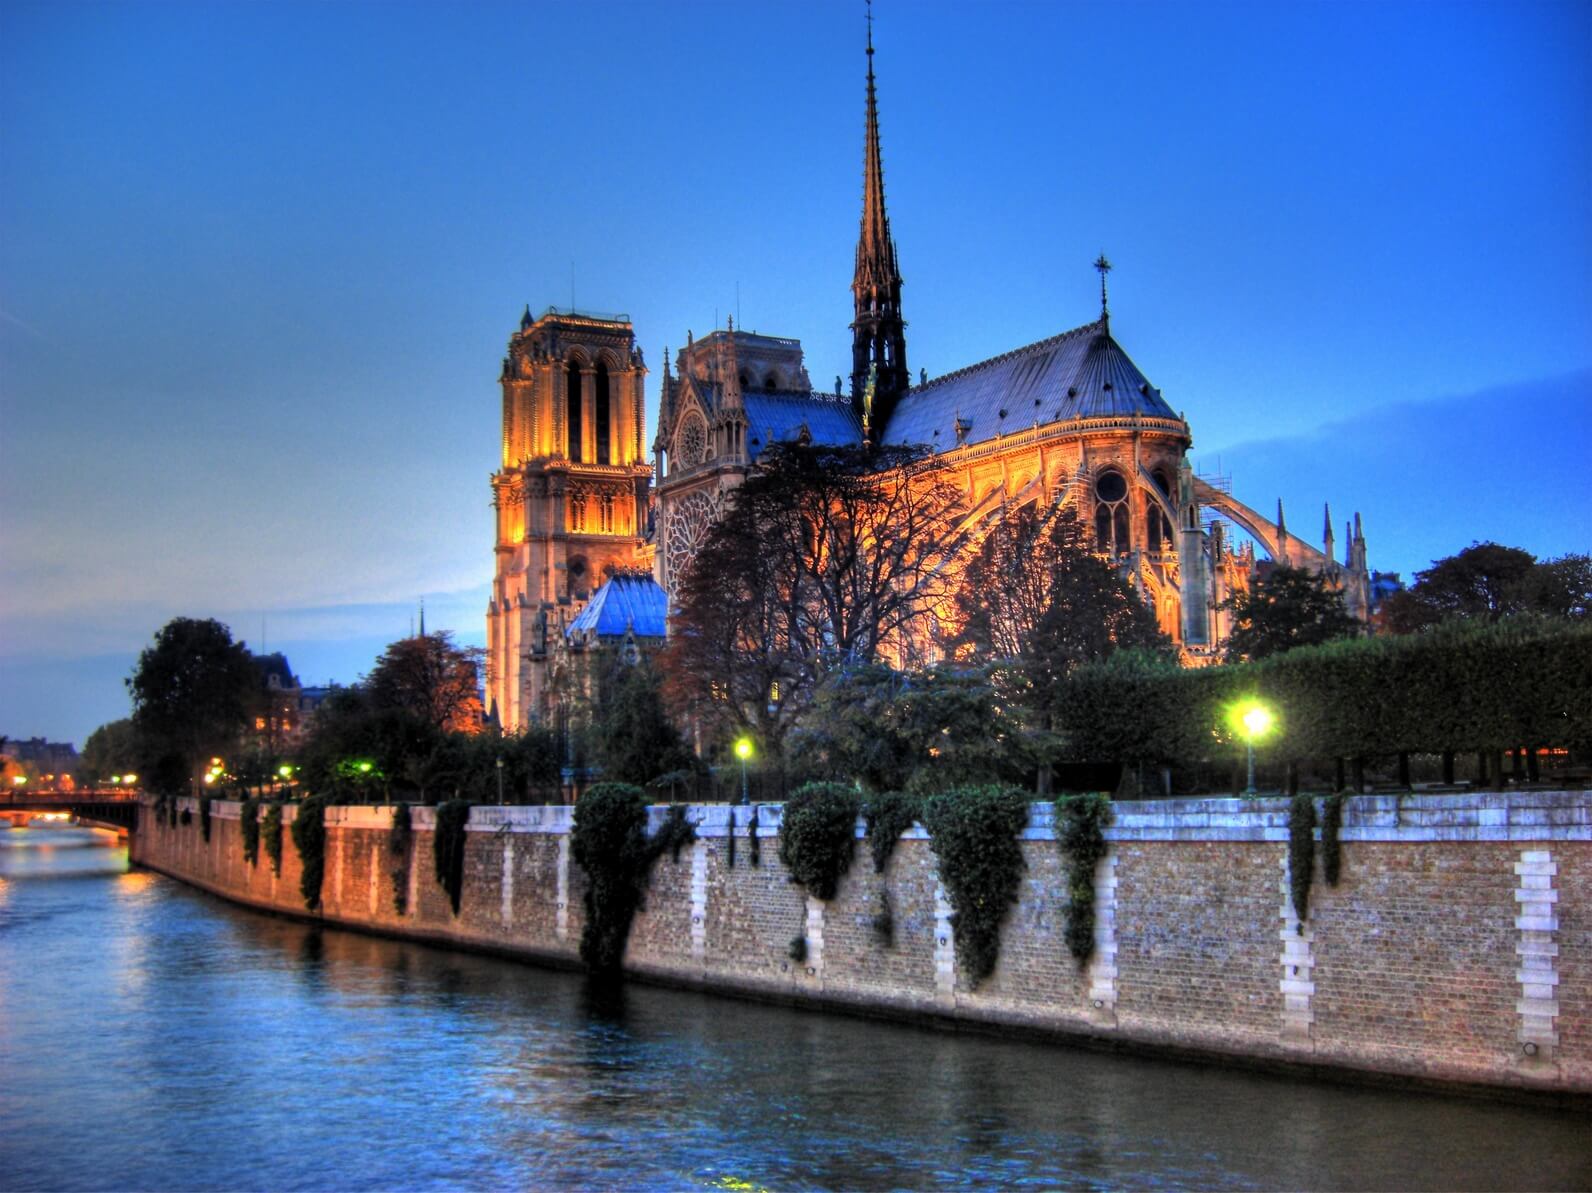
(234, 1050)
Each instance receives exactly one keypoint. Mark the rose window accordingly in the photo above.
(692, 444)
(688, 525)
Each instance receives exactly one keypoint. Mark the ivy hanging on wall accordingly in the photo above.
(1301, 855)
(309, 838)
(884, 920)
(729, 840)
(818, 836)
(447, 846)
(187, 816)
(249, 828)
(751, 832)
(888, 815)
(609, 842)
(1331, 829)
(974, 834)
(1080, 833)
(271, 836)
(398, 849)
(676, 832)
(204, 817)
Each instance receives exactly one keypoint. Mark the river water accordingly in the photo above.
(152, 1037)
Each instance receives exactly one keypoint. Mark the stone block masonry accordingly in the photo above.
(1457, 946)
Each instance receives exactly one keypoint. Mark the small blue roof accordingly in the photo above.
(626, 601)
(1082, 373)
(779, 417)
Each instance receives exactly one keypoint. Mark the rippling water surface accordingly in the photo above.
(154, 1038)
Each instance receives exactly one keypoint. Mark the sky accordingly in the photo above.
(259, 264)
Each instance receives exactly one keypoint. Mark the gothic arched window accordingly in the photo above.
(1111, 513)
(572, 423)
(601, 407)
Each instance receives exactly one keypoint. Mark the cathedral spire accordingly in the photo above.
(1104, 267)
(878, 331)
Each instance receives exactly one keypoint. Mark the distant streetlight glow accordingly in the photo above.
(1252, 721)
(743, 751)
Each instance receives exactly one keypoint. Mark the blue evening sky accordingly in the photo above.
(259, 262)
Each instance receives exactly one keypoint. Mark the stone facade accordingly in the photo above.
(1424, 962)
(570, 495)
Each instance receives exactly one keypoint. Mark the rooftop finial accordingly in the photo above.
(1104, 267)
(870, 37)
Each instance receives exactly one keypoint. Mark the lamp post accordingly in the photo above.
(1254, 720)
(500, 778)
(743, 751)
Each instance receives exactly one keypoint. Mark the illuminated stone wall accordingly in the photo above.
(1457, 945)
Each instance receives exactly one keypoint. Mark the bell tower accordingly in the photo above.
(878, 333)
(570, 492)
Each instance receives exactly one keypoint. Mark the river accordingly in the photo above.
(152, 1037)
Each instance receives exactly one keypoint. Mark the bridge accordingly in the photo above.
(113, 809)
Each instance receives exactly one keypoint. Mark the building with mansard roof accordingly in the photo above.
(1070, 422)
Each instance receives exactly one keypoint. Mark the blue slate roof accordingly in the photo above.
(624, 602)
(779, 417)
(1082, 373)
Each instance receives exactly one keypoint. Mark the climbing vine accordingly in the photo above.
(888, 815)
(676, 832)
(729, 840)
(447, 846)
(309, 838)
(249, 827)
(819, 836)
(187, 817)
(974, 835)
(610, 844)
(1301, 855)
(1331, 846)
(204, 817)
(751, 832)
(1080, 833)
(398, 845)
(271, 835)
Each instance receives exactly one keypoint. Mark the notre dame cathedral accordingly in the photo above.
(591, 538)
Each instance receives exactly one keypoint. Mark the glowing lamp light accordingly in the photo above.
(743, 748)
(285, 771)
(129, 778)
(210, 776)
(18, 780)
(365, 768)
(1252, 721)
(115, 779)
(1257, 721)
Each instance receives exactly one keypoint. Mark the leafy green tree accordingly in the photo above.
(1487, 582)
(918, 731)
(632, 737)
(1286, 608)
(431, 679)
(111, 749)
(192, 691)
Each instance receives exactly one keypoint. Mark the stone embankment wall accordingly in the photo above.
(1456, 947)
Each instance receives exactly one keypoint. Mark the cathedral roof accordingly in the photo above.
(1082, 373)
(780, 416)
(626, 601)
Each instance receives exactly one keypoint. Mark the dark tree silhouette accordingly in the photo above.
(1288, 607)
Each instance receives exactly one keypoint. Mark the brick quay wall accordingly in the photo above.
(1456, 947)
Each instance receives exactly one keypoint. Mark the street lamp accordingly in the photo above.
(1253, 721)
(743, 751)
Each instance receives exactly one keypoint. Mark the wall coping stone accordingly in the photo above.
(1512, 816)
